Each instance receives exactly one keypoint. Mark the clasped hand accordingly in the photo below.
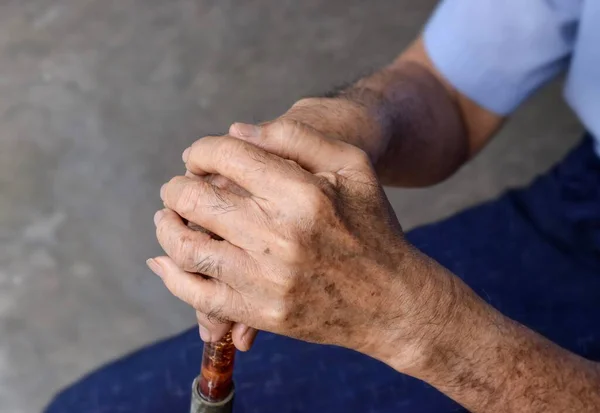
(310, 245)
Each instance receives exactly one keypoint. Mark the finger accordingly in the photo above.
(243, 336)
(252, 168)
(297, 142)
(212, 330)
(217, 210)
(196, 251)
(207, 295)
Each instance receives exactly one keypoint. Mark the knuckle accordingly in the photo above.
(287, 286)
(360, 156)
(194, 147)
(168, 236)
(189, 254)
(314, 199)
(161, 231)
(292, 251)
(284, 126)
(188, 199)
(279, 316)
(182, 251)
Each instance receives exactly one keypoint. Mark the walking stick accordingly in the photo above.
(212, 390)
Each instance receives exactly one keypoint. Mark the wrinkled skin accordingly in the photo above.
(313, 251)
(337, 125)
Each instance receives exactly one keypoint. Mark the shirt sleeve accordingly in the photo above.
(497, 52)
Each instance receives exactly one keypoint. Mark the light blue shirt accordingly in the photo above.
(497, 52)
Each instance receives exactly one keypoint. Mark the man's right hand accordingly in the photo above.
(334, 117)
(415, 127)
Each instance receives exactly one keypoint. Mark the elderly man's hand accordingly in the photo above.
(313, 252)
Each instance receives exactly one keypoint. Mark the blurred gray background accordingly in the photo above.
(98, 98)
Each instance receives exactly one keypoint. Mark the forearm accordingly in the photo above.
(420, 127)
(489, 363)
(402, 116)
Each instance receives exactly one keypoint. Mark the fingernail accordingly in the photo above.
(158, 216)
(186, 154)
(243, 331)
(155, 267)
(205, 334)
(245, 130)
(163, 191)
(248, 337)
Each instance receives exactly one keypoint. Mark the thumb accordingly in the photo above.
(299, 143)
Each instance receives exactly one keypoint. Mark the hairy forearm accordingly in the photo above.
(489, 363)
(402, 116)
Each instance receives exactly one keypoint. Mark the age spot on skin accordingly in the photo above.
(337, 322)
(299, 313)
(267, 251)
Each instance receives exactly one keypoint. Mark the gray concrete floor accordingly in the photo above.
(97, 100)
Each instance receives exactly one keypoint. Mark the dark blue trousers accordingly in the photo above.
(533, 254)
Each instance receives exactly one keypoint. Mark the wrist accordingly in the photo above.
(453, 346)
(447, 320)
